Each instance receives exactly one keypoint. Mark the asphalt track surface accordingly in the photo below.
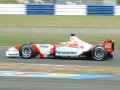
(32, 30)
(15, 83)
(115, 62)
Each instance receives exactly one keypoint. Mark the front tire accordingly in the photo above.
(99, 53)
(27, 51)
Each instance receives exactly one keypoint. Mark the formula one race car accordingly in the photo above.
(74, 48)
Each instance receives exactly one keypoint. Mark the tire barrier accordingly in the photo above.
(38, 9)
(12, 9)
(117, 10)
(100, 10)
(70, 10)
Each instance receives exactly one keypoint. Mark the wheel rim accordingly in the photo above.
(99, 54)
(26, 52)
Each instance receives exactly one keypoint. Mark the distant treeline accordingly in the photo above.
(26, 1)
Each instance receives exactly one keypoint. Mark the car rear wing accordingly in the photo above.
(109, 45)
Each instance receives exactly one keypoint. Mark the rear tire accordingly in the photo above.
(99, 53)
(27, 51)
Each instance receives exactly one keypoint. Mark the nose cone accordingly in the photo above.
(12, 49)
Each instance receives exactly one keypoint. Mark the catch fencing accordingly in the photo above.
(37, 9)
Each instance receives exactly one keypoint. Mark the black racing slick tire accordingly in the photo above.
(27, 51)
(99, 53)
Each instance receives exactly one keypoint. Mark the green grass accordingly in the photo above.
(8, 1)
(11, 40)
(59, 21)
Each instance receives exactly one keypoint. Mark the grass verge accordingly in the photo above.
(59, 21)
(66, 68)
(18, 39)
(7, 1)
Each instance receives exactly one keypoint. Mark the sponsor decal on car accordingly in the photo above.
(66, 52)
(13, 54)
(108, 45)
(44, 46)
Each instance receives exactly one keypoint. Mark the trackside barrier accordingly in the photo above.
(70, 10)
(100, 10)
(40, 9)
(117, 10)
(12, 9)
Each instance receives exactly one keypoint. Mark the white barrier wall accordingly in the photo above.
(12, 9)
(117, 10)
(70, 10)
